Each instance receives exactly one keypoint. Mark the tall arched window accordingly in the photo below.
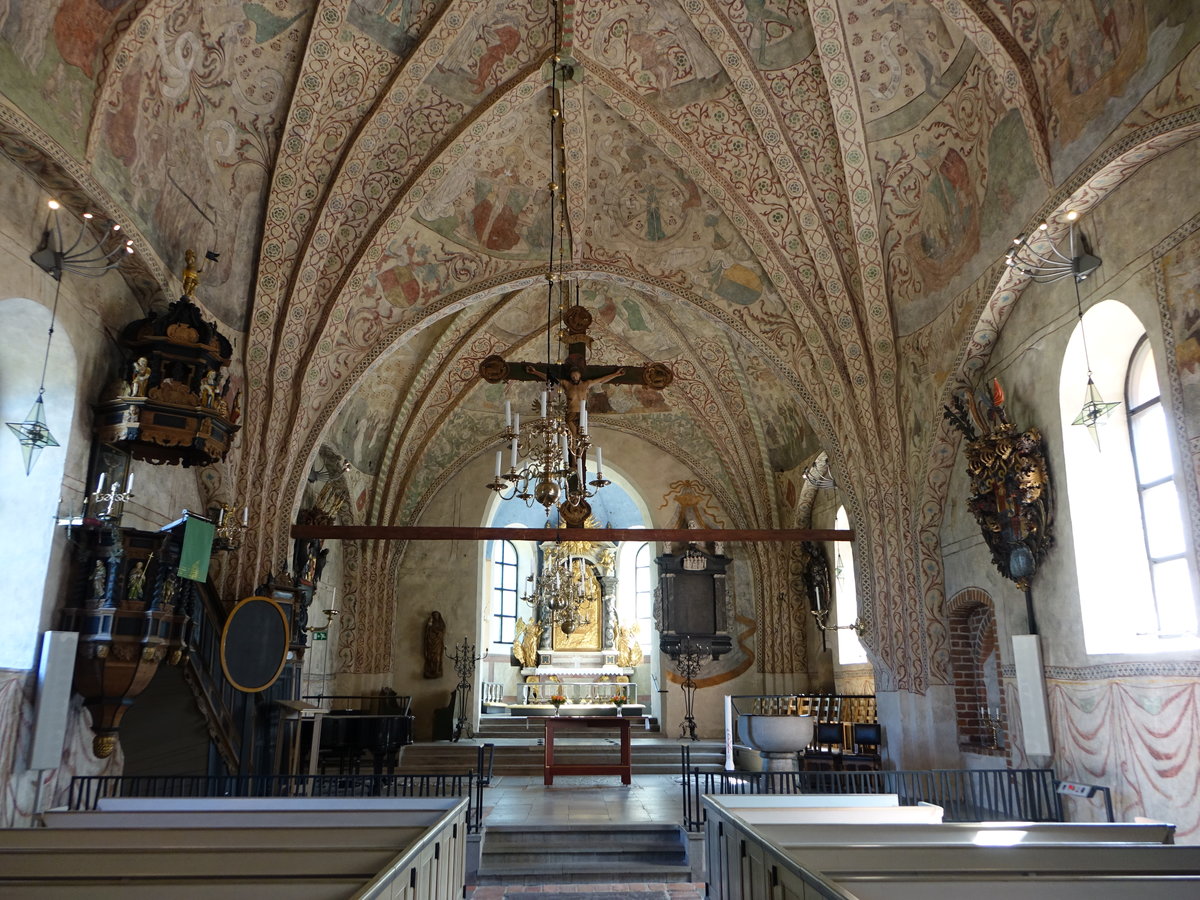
(643, 597)
(850, 650)
(504, 592)
(1136, 587)
(1158, 493)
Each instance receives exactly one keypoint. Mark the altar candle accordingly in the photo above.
(100, 483)
(583, 418)
(507, 413)
(499, 455)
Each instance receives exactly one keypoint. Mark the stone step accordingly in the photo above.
(525, 854)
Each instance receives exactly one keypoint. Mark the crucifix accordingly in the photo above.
(575, 377)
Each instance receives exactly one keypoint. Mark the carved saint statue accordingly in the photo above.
(208, 390)
(191, 275)
(525, 643)
(99, 581)
(434, 644)
(140, 377)
(137, 581)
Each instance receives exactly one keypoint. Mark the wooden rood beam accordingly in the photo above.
(667, 535)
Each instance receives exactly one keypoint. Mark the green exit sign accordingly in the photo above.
(320, 635)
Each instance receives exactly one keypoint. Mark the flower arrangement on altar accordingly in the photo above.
(619, 699)
(558, 699)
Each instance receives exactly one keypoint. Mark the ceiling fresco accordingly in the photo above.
(797, 204)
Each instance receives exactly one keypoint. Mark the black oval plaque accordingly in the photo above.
(254, 644)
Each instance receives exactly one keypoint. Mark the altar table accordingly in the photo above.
(624, 768)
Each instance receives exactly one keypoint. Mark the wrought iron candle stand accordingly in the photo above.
(688, 664)
(464, 660)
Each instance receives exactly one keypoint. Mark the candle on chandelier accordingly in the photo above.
(566, 453)
(583, 418)
(100, 483)
(507, 413)
(499, 456)
(516, 423)
(599, 461)
(514, 453)
(543, 404)
(579, 468)
(129, 483)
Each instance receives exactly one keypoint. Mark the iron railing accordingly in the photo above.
(965, 795)
(86, 791)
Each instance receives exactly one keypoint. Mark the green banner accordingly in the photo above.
(197, 549)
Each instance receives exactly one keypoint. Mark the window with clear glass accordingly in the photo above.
(1159, 497)
(850, 650)
(643, 593)
(504, 592)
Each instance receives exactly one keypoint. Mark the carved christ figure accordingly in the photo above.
(576, 390)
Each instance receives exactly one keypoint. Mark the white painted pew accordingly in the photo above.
(749, 859)
(299, 849)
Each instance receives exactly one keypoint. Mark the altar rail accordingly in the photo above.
(574, 691)
(86, 791)
(966, 795)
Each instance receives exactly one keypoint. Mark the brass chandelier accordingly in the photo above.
(564, 591)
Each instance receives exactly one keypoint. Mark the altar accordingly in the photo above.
(624, 768)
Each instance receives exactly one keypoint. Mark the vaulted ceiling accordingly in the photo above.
(793, 202)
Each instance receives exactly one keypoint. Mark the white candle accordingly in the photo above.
(245, 516)
(579, 470)
(543, 404)
(514, 453)
(129, 483)
(220, 517)
(516, 423)
(499, 456)
(583, 418)
(599, 461)
(100, 483)
(566, 450)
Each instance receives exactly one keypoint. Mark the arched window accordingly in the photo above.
(504, 592)
(1158, 493)
(850, 650)
(643, 596)
(1136, 587)
(27, 502)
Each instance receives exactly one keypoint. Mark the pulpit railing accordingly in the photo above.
(965, 795)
